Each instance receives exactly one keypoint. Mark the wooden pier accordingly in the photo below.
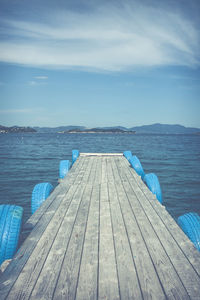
(102, 234)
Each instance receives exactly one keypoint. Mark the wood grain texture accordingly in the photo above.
(56, 256)
(26, 250)
(187, 276)
(33, 267)
(87, 287)
(68, 277)
(129, 284)
(108, 286)
(147, 274)
(60, 190)
(182, 240)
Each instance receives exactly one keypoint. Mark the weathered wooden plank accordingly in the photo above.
(115, 177)
(98, 171)
(120, 168)
(165, 268)
(79, 176)
(60, 190)
(129, 284)
(108, 278)
(46, 283)
(20, 259)
(90, 179)
(182, 240)
(68, 277)
(103, 170)
(146, 272)
(26, 280)
(74, 170)
(128, 279)
(87, 287)
(187, 274)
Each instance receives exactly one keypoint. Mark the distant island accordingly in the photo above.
(156, 128)
(16, 129)
(99, 130)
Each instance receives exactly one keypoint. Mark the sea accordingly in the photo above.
(30, 158)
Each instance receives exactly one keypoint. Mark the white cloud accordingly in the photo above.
(15, 111)
(41, 77)
(39, 80)
(108, 39)
(32, 82)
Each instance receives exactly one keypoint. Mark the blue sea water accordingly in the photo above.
(30, 158)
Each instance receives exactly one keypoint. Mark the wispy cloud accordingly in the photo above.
(110, 38)
(188, 78)
(41, 77)
(12, 111)
(38, 80)
(15, 111)
(32, 83)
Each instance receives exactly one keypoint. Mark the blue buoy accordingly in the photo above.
(153, 184)
(64, 168)
(190, 224)
(127, 154)
(75, 155)
(10, 226)
(40, 193)
(135, 163)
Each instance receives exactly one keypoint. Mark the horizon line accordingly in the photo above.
(114, 126)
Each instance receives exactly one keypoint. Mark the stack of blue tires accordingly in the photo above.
(10, 226)
(190, 222)
(151, 180)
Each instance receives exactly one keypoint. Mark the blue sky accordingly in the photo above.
(99, 63)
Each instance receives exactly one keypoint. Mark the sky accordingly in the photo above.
(99, 63)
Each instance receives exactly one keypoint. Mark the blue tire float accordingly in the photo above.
(153, 184)
(190, 224)
(40, 193)
(135, 163)
(10, 226)
(127, 154)
(64, 168)
(75, 155)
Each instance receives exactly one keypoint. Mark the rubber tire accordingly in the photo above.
(64, 168)
(75, 155)
(40, 193)
(10, 226)
(135, 163)
(153, 184)
(190, 224)
(127, 154)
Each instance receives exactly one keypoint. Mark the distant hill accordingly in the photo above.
(57, 129)
(100, 130)
(165, 129)
(114, 127)
(15, 129)
(147, 129)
